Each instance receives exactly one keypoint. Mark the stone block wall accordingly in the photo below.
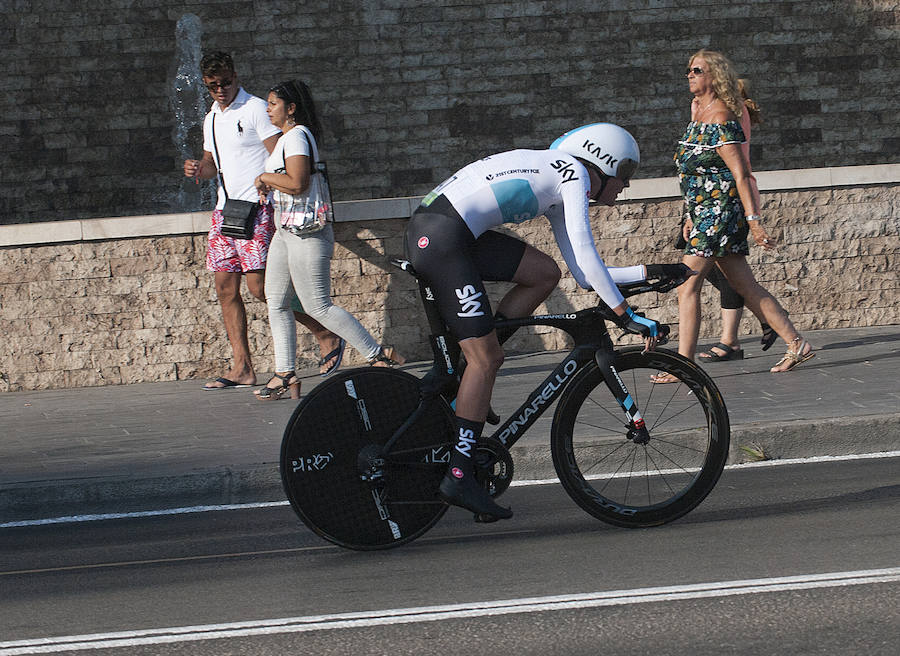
(144, 309)
(101, 101)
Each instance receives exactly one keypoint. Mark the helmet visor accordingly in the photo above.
(626, 168)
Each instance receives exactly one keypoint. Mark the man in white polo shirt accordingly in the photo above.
(237, 138)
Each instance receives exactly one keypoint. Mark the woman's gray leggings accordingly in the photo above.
(302, 265)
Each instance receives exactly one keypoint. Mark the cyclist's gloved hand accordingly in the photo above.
(670, 271)
(637, 324)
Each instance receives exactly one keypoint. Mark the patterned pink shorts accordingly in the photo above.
(240, 255)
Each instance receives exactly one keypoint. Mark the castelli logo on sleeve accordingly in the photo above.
(423, 242)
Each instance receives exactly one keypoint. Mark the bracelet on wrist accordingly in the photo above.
(752, 217)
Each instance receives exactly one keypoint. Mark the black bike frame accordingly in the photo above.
(592, 341)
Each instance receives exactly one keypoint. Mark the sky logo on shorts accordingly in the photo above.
(423, 242)
(468, 299)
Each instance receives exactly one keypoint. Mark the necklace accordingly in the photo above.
(707, 107)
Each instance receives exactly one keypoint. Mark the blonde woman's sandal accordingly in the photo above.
(387, 357)
(289, 384)
(794, 357)
(664, 377)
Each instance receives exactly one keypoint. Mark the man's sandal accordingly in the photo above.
(663, 378)
(289, 383)
(730, 353)
(387, 357)
(793, 358)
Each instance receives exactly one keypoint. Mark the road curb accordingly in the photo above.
(262, 483)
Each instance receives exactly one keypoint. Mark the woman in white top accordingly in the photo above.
(300, 263)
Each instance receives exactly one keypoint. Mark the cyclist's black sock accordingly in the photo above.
(467, 435)
(459, 486)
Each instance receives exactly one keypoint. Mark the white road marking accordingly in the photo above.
(73, 519)
(385, 617)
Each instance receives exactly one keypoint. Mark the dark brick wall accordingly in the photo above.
(409, 90)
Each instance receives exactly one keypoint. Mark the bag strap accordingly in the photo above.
(312, 156)
(312, 152)
(218, 160)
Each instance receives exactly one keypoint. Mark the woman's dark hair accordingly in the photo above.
(296, 91)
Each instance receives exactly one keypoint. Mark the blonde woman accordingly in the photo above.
(732, 303)
(722, 209)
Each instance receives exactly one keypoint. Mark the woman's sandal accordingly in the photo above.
(387, 357)
(793, 358)
(768, 334)
(289, 383)
(328, 364)
(663, 378)
(730, 353)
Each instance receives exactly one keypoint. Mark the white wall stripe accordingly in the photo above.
(385, 617)
(401, 208)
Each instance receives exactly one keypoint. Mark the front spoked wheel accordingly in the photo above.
(638, 485)
(337, 475)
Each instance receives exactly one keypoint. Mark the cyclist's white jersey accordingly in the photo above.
(520, 185)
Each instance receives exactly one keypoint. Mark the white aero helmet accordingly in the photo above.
(608, 147)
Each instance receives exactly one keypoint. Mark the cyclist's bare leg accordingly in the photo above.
(460, 487)
(483, 358)
(536, 277)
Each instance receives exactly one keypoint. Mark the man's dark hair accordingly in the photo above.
(216, 63)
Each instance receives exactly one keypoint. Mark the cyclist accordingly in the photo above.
(450, 244)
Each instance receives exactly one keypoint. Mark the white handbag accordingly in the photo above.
(314, 211)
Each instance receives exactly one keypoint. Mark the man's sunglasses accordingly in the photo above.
(212, 86)
(696, 70)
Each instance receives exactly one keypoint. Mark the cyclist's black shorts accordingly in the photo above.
(454, 265)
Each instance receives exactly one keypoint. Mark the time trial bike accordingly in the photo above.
(363, 453)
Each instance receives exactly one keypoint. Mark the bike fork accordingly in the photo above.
(637, 429)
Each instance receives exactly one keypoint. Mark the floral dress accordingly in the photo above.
(710, 194)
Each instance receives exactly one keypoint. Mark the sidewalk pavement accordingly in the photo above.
(166, 445)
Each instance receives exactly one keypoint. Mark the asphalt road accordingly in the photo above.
(790, 559)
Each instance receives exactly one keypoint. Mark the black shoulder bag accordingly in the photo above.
(238, 216)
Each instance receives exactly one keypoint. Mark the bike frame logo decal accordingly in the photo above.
(545, 396)
(442, 343)
(542, 317)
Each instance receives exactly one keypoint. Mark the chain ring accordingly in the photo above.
(493, 466)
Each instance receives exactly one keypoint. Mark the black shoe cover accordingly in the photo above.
(464, 491)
